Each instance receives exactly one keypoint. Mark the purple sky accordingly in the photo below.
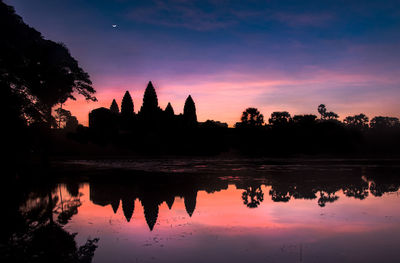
(229, 55)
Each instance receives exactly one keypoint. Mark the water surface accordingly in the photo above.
(230, 212)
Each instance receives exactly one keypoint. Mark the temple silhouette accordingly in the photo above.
(152, 130)
(150, 116)
(155, 131)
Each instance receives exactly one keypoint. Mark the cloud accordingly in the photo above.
(303, 19)
(212, 15)
(177, 13)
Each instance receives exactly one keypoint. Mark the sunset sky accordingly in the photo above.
(229, 55)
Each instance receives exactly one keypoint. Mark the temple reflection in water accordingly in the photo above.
(279, 212)
(314, 185)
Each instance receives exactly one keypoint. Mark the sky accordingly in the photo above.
(230, 55)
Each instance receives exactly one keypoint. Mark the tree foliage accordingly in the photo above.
(71, 124)
(36, 73)
(322, 110)
(62, 116)
(381, 122)
(279, 118)
(330, 115)
(326, 115)
(65, 119)
(304, 120)
(359, 121)
(251, 117)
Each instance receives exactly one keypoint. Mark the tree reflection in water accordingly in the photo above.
(153, 189)
(253, 196)
(326, 198)
(34, 236)
(33, 228)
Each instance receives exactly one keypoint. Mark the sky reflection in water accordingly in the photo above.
(351, 220)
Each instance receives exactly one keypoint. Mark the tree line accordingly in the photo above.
(252, 118)
(313, 134)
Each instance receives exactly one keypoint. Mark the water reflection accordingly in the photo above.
(253, 196)
(297, 215)
(322, 187)
(33, 227)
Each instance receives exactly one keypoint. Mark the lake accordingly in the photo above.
(212, 210)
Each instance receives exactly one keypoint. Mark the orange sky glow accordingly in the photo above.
(224, 97)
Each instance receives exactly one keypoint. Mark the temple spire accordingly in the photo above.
(189, 112)
(114, 107)
(127, 105)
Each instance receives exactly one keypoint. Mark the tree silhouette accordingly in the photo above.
(251, 117)
(322, 110)
(359, 121)
(126, 105)
(380, 122)
(114, 107)
(279, 119)
(189, 112)
(36, 73)
(211, 124)
(62, 116)
(331, 115)
(65, 120)
(72, 124)
(326, 115)
(304, 120)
